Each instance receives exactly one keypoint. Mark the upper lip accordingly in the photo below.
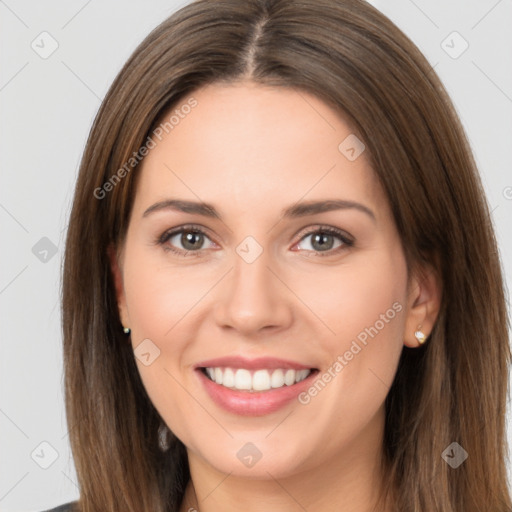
(252, 364)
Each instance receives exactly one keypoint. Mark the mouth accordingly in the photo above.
(255, 380)
(255, 392)
(253, 386)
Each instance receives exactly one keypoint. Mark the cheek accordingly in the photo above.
(161, 296)
(362, 298)
(364, 305)
(160, 302)
(367, 305)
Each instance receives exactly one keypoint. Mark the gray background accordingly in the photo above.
(47, 106)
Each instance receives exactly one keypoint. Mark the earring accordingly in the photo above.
(420, 335)
(163, 437)
(126, 330)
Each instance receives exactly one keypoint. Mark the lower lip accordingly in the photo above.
(257, 403)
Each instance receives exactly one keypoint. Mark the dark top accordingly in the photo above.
(66, 507)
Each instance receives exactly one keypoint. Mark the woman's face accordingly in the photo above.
(272, 269)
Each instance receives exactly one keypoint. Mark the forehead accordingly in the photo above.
(247, 146)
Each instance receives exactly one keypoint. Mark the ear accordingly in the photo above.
(424, 301)
(117, 274)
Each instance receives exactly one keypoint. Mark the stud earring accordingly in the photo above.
(126, 330)
(420, 335)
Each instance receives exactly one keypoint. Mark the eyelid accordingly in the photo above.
(185, 227)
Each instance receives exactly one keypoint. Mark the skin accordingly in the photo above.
(252, 151)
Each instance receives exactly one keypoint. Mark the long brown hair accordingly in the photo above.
(452, 389)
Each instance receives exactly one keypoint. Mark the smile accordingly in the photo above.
(243, 379)
(257, 396)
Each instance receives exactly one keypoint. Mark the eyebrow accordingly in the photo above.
(296, 210)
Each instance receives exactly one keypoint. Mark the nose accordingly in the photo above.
(253, 298)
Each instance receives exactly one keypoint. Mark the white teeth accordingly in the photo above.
(242, 379)
(277, 380)
(289, 377)
(259, 380)
(228, 379)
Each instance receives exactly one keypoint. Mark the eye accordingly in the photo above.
(324, 239)
(184, 241)
(189, 241)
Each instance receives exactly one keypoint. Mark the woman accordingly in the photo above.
(281, 279)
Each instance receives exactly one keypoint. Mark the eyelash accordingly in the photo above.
(191, 228)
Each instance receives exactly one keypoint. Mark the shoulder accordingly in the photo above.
(66, 507)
